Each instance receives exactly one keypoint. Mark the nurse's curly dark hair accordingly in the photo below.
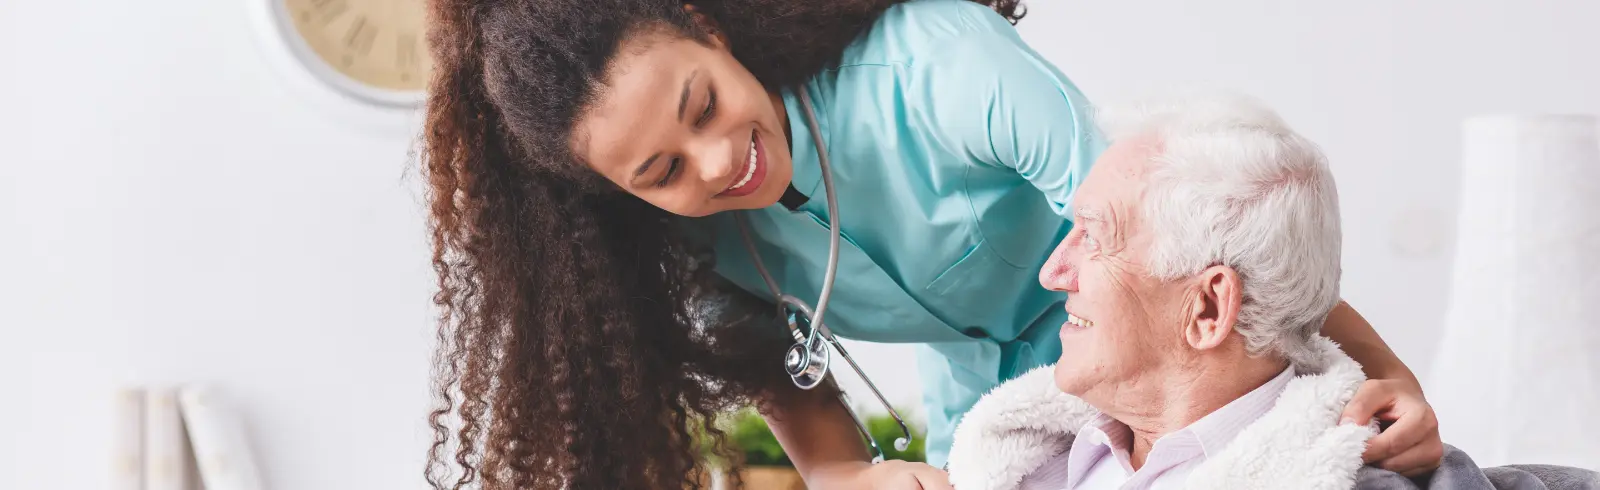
(581, 343)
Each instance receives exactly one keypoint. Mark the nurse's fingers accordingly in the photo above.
(932, 479)
(1415, 431)
(901, 475)
(1419, 460)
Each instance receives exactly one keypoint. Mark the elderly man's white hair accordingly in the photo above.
(1232, 184)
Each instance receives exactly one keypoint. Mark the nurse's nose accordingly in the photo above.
(1059, 273)
(712, 158)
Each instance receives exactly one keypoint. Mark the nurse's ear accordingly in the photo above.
(718, 39)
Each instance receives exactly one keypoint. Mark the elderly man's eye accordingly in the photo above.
(1090, 243)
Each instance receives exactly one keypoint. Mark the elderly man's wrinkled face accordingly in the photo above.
(1122, 321)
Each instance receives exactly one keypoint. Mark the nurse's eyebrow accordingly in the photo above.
(645, 167)
(683, 104)
(683, 98)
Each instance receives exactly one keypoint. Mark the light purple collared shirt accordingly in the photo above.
(1097, 459)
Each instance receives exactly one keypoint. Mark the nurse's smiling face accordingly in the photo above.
(684, 126)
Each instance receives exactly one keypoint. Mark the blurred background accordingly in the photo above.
(180, 201)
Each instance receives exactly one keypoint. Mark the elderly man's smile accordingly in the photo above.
(1076, 322)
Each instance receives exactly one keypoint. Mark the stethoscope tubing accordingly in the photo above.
(819, 331)
(833, 219)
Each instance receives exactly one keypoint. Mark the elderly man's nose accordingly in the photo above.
(1058, 274)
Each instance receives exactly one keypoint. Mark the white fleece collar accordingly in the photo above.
(1024, 422)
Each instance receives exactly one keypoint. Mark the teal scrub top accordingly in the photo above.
(955, 151)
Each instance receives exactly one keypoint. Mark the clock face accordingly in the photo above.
(378, 44)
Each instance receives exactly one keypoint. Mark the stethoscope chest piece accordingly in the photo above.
(807, 359)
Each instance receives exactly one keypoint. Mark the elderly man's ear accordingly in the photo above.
(1214, 311)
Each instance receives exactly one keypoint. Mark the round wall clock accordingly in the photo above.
(373, 50)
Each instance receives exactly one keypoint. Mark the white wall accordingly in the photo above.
(170, 211)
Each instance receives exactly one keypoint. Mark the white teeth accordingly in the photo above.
(1079, 321)
(750, 168)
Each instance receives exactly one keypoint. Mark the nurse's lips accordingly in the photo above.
(749, 176)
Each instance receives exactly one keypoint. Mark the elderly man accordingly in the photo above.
(1205, 259)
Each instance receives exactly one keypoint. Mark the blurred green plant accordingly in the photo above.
(884, 430)
(748, 432)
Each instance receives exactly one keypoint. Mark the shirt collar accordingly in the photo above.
(1218, 428)
(807, 172)
(1101, 437)
(1104, 436)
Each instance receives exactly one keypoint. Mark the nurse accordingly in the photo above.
(587, 160)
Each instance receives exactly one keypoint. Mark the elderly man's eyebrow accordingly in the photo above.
(1089, 214)
(1102, 222)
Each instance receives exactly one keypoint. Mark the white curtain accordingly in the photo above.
(1517, 374)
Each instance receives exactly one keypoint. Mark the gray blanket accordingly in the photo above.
(1458, 472)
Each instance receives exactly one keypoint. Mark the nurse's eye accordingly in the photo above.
(710, 110)
(672, 170)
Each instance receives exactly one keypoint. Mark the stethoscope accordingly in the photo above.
(807, 361)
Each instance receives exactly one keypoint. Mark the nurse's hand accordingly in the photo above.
(1411, 446)
(888, 475)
